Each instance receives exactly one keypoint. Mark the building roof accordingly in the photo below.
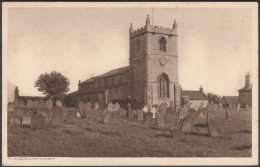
(32, 97)
(245, 89)
(230, 100)
(194, 95)
(117, 71)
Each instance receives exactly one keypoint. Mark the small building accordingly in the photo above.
(229, 101)
(245, 93)
(24, 99)
(195, 98)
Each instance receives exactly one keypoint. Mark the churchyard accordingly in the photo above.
(41, 129)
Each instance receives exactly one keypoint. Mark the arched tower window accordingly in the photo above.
(163, 44)
(164, 86)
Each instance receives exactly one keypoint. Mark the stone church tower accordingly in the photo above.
(153, 64)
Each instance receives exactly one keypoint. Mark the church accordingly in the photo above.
(151, 77)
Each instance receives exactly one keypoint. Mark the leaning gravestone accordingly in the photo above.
(187, 124)
(106, 116)
(149, 120)
(116, 107)
(122, 113)
(96, 106)
(213, 128)
(140, 115)
(38, 121)
(111, 107)
(81, 108)
(35, 103)
(49, 104)
(58, 103)
(29, 103)
(160, 119)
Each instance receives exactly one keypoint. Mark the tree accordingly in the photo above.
(53, 85)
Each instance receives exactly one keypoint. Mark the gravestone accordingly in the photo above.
(35, 103)
(78, 115)
(96, 106)
(196, 108)
(56, 116)
(182, 114)
(106, 116)
(38, 121)
(213, 128)
(10, 107)
(238, 107)
(15, 120)
(140, 115)
(160, 119)
(87, 109)
(81, 108)
(145, 109)
(122, 113)
(176, 133)
(130, 112)
(49, 105)
(64, 115)
(111, 107)
(163, 107)
(41, 103)
(201, 114)
(89, 106)
(149, 120)
(187, 124)
(153, 111)
(116, 107)
(134, 113)
(58, 103)
(26, 120)
(47, 114)
(29, 103)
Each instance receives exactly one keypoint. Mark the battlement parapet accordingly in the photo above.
(153, 29)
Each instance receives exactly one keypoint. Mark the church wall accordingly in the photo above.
(245, 97)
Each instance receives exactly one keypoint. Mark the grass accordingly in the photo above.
(125, 138)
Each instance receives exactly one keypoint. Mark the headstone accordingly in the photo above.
(163, 107)
(196, 108)
(111, 107)
(15, 120)
(149, 120)
(56, 115)
(130, 112)
(35, 103)
(78, 115)
(48, 114)
(38, 121)
(182, 114)
(87, 109)
(106, 116)
(134, 113)
(140, 115)
(122, 113)
(213, 128)
(187, 124)
(81, 108)
(176, 133)
(116, 107)
(58, 103)
(153, 111)
(238, 107)
(160, 119)
(29, 103)
(96, 106)
(41, 103)
(10, 107)
(145, 109)
(201, 114)
(26, 120)
(49, 104)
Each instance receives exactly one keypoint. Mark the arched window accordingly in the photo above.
(163, 44)
(164, 86)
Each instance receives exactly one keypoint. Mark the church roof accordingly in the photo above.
(117, 71)
(230, 100)
(194, 95)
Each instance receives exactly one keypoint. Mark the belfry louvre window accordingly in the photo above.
(164, 86)
(163, 44)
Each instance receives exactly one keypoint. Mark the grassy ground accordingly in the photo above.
(89, 138)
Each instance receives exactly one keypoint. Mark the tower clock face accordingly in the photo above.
(163, 61)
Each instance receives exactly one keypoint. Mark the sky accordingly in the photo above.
(214, 44)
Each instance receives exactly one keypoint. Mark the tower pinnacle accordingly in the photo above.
(148, 21)
(131, 27)
(174, 24)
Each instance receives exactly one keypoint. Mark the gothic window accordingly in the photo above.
(164, 86)
(163, 44)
